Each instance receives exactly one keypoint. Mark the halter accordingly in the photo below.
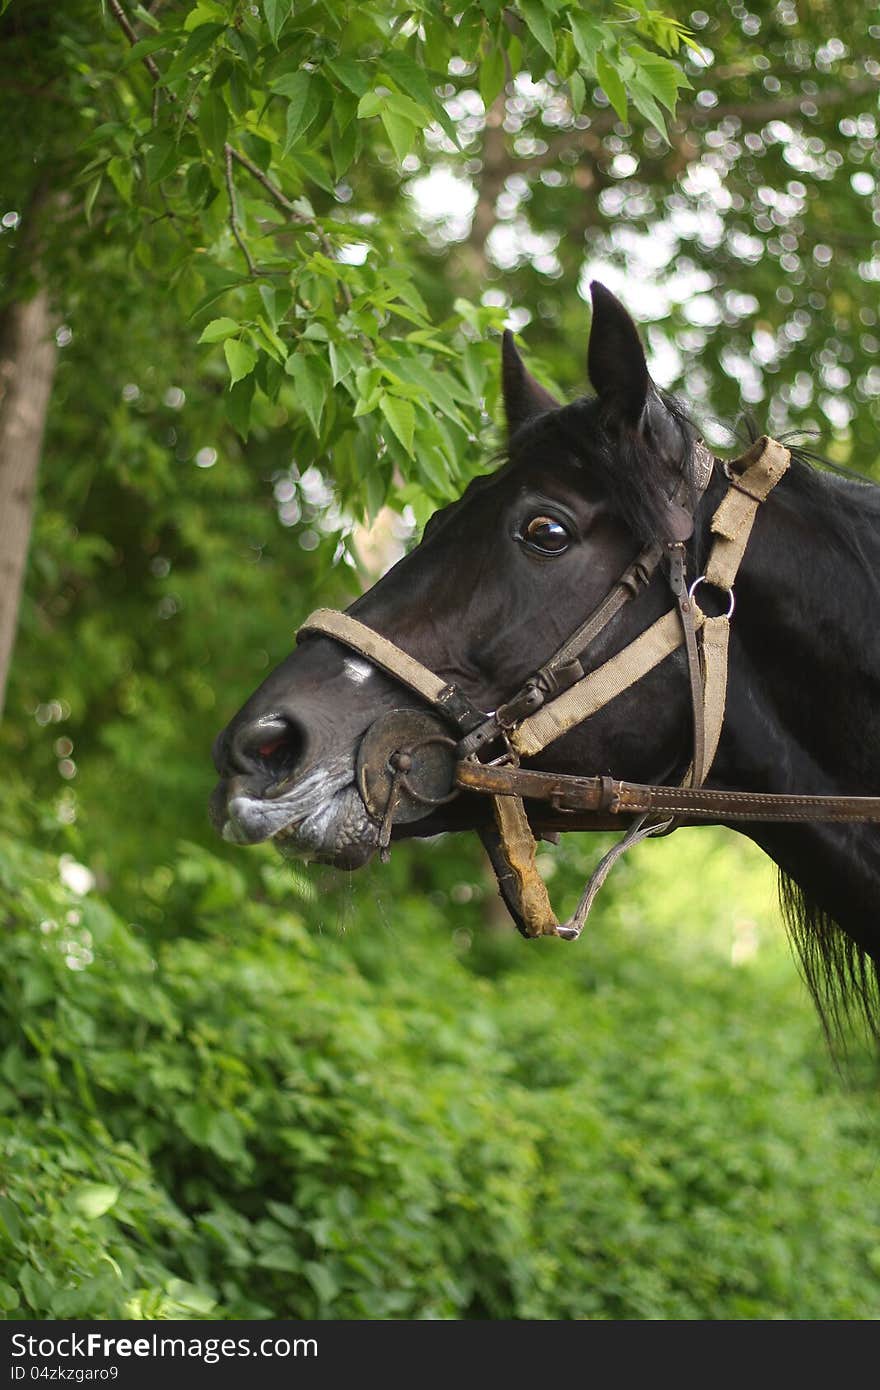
(408, 763)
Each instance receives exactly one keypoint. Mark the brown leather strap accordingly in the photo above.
(634, 578)
(697, 770)
(525, 885)
(611, 797)
(564, 668)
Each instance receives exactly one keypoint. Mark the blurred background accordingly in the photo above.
(234, 1089)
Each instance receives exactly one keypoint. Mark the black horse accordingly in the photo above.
(502, 578)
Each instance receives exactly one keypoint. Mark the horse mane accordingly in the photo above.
(842, 977)
(621, 459)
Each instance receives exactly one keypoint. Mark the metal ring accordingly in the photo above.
(729, 592)
(403, 779)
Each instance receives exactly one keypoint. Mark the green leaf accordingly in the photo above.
(239, 91)
(205, 12)
(311, 379)
(433, 469)
(350, 73)
(492, 75)
(300, 111)
(644, 102)
(343, 148)
(313, 169)
(412, 81)
(370, 104)
(213, 121)
(239, 399)
(218, 329)
(89, 200)
(660, 76)
(199, 41)
(589, 37)
(162, 158)
(321, 1280)
(611, 84)
(291, 84)
(578, 92)
(8, 1298)
(240, 358)
(432, 384)
(410, 110)
(144, 48)
(401, 416)
(268, 296)
(343, 360)
(119, 171)
(94, 1199)
(401, 133)
(538, 21)
(276, 12)
(242, 44)
(10, 1224)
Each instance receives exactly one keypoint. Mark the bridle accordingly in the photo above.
(408, 763)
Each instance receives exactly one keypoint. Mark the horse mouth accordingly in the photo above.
(321, 817)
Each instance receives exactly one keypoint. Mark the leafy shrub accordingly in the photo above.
(418, 1116)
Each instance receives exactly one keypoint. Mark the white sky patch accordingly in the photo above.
(354, 253)
(79, 879)
(446, 201)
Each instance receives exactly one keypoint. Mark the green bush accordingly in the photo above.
(323, 1099)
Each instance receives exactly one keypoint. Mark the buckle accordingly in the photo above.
(529, 699)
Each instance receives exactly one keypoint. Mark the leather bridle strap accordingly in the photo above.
(601, 686)
(757, 473)
(608, 796)
(564, 668)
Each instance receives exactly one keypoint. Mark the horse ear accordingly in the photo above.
(615, 359)
(523, 396)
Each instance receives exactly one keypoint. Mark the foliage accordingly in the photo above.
(240, 1091)
(265, 1116)
(226, 152)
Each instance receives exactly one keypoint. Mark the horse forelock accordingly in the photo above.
(628, 466)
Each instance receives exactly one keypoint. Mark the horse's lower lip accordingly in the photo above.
(249, 820)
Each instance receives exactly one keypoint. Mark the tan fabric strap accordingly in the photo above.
(716, 639)
(377, 649)
(757, 473)
(601, 686)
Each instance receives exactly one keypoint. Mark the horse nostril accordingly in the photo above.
(273, 746)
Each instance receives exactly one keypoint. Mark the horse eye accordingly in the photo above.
(545, 535)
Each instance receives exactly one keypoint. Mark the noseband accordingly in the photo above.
(409, 764)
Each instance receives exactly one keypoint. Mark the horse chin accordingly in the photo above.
(339, 833)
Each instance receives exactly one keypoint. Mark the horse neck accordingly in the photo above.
(803, 706)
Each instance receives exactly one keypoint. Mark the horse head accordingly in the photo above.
(499, 581)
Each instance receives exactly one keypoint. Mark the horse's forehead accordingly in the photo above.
(538, 467)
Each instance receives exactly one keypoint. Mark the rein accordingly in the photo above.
(400, 777)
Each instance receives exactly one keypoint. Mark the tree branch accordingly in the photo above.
(124, 23)
(230, 153)
(233, 211)
(275, 193)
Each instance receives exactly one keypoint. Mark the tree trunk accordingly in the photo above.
(28, 354)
